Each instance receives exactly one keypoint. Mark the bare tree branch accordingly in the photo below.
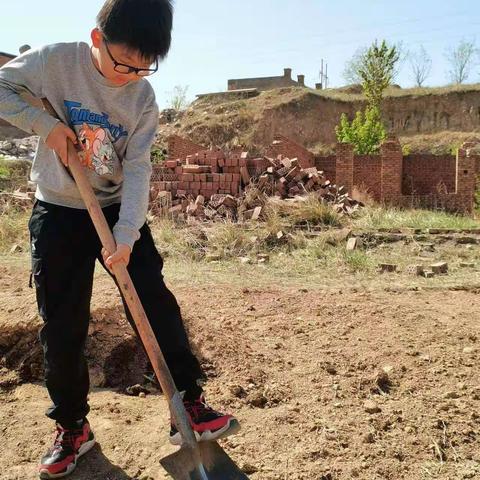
(461, 61)
(421, 65)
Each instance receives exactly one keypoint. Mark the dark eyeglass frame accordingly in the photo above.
(141, 72)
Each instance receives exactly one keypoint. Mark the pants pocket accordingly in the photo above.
(38, 277)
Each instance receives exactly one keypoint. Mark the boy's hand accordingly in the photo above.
(57, 140)
(122, 254)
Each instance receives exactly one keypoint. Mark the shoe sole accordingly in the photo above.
(87, 446)
(231, 428)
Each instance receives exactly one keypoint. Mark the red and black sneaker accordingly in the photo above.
(69, 445)
(207, 424)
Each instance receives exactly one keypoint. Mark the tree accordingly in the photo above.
(376, 67)
(366, 132)
(351, 72)
(421, 65)
(378, 70)
(178, 97)
(460, 59)
(352, 66)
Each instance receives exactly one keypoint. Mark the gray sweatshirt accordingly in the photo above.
(116, 126)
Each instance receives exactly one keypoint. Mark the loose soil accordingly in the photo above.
(328, 383)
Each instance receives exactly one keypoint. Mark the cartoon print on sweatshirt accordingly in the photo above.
(97, 153)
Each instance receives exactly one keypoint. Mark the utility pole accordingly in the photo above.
(323, 75)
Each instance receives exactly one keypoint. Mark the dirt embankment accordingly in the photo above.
(309, 116)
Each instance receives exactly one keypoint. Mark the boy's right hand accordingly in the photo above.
(57, 140)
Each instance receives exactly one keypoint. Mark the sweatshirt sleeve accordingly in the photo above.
(137, 169)
(25, 74)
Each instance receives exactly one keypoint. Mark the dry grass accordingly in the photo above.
(376, 217)
(13, 227)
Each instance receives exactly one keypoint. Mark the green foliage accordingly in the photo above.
(377, 70)
(4, 172)
(366, 132)
(406, 149)
(157, 155)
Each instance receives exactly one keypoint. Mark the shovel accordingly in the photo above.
(195, 460)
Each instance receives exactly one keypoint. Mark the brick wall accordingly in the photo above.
(179, 147)
(285, 146)
(429, 174)
(367, 171)
(384, 176)
(327, 165)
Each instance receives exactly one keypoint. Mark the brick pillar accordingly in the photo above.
(392, 170)
(466, 177)
(344, 165)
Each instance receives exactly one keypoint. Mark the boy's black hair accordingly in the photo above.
(142, 25)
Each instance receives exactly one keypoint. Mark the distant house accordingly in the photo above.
(267, 83)
(5, 57)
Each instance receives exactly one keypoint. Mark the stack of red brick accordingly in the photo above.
(207, 173)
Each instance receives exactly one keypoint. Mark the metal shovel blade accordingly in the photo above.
(214, 464)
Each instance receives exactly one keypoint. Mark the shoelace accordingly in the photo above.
(198, 407)
(65, 438)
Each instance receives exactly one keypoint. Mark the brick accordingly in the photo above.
(439, 268)
(245, 175)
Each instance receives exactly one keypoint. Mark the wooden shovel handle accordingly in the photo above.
(129, 292)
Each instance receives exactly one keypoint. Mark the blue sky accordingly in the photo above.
(214, 40)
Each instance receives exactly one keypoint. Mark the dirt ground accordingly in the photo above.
(328, 383)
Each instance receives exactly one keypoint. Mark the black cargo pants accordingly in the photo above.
(64, 249)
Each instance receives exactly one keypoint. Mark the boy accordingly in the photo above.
(108, 109)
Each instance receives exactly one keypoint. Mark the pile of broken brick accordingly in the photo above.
(211, 185)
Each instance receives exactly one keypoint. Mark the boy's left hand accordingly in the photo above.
(122, 254)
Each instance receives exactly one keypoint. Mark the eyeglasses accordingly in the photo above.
(125, 69)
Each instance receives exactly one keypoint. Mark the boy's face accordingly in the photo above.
(108, 55)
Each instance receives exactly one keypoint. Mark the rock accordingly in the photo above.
(371, 407)
(467, 264)
(428, 274)
(256, 399)
(244, 260)
(136, 390)
(238, 391)
(329, 368)
(439, 268)
(354, 243)
(468, 350)
(369, 438)
(142, 394)
(16, 249)
(452, 394)
(248, 468)
(263, 258)
(6, 146)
